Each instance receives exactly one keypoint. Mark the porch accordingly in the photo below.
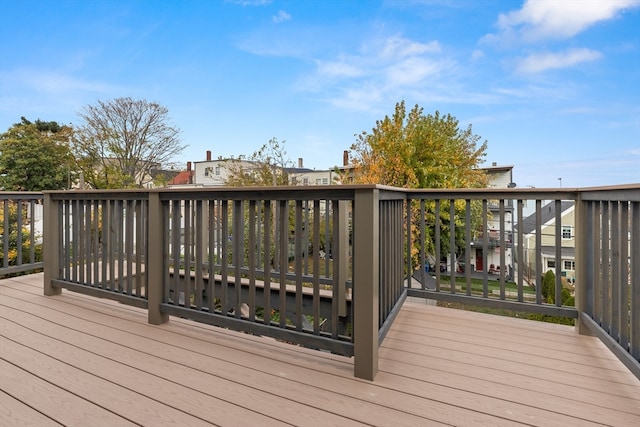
(73, 359)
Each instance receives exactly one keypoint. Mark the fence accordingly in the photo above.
(276, 262)
(329, 267)
(609, 250)
(20, 232)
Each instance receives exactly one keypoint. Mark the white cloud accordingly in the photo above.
(383, 70)
(363, 98)
(414, 70)
(539, 62)
(545, 19)
(477, 54)
(281, 16)
(338, 69)
(56, 83)
(399, 47)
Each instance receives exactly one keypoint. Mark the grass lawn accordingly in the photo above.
(477, 285)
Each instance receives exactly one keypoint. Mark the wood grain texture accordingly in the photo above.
(76, 360)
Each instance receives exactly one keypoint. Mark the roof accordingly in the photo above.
(567, 252)
(548, 212)
(496, 168)
(182, 178)
(299, 170)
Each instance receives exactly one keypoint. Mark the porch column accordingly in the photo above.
(51, 244)
(584, 262)
(366, 241)
(155, 264)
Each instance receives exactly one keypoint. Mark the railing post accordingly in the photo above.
(584, 262)
(51, 244)
(342, 256)
(155, 265)
(366, 262)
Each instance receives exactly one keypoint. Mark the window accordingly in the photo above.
(325, 181)
(318, 181)
(566, 232)
(570, 265)
(217, 170)
(207, 171)
(551, 263)
(305, 181)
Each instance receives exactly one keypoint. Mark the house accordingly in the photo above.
(313, 177)
(498, 177)
(547, 239)
(182, 178)
(217, 173)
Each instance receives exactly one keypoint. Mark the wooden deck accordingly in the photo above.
(78, 361)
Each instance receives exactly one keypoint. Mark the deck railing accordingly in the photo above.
(609, 250)
(20, 232)
(329, 267)
(511, 273)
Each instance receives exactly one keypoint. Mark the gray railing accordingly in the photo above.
(329, 267)
(20, 232)
(97, 244)
(481, 264)
(589, 239)
(609, 250)
(277, 262)
(251, 260)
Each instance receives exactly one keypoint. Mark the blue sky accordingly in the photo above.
(553, 86)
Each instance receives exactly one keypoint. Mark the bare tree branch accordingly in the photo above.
(126, 139)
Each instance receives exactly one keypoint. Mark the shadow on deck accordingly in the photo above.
(77, 360)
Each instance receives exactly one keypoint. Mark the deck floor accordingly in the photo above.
(78, 361)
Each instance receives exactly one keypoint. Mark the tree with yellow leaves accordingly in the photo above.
(418, 151)
(422, 151)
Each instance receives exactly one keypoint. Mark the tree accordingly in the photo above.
(548, 290)
(418, 151)
(122, 141)
(549, 287)
(422, 151)
(265, 167)
(35, 156)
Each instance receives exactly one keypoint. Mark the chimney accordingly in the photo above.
(208, 155)
(300, 162)
(345, 158)
(190, 181)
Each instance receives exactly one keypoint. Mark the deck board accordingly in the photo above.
(77, 360)
(14, 412)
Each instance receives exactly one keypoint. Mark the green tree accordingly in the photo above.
(35, 156)
(549, 290)
(121, 142)
(549, 287)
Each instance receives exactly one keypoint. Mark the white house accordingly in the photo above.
(499, 177)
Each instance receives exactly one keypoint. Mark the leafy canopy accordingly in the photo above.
(35, 156)
(415, 150)
(418, 151)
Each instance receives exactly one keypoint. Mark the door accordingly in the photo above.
(479, 260)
